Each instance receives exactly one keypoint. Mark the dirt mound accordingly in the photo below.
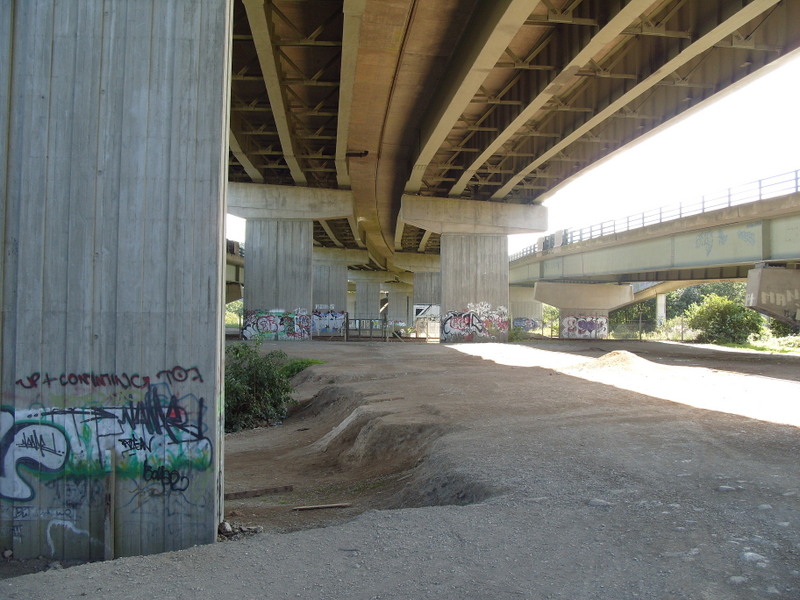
(618, 359)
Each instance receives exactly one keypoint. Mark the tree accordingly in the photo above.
(722, 320)
(634, 313)
(680, 300)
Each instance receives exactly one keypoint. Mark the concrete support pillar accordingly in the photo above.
(399, 295)
(474, 303)
(113, 168)
(583, 307)
(427, 293)
(330, 287)
(661, 309)
(526, 312)
(368, 300)
(775, 292)
(330, 276)
(278, 293)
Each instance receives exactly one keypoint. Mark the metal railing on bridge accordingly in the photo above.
(770, 187)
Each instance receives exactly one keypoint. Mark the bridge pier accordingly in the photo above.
(775, 292)
(113, 163)
(474, 260)
(583, 307)
(526, 311)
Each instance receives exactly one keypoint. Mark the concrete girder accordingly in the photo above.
(329, 232)
(616, 25)
(261, 28)
(243, 148)
(417, 263)
(583, 295)
(264, 201)
(335, 256)
(451, 215)
(353, 11)
(480, 49)
(700, 45)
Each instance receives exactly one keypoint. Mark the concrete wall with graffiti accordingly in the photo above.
(584, 327)
(328, 323)
(277, 326)
(128, 456)
(478, 323)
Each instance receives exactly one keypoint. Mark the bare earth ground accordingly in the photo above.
(557, 469)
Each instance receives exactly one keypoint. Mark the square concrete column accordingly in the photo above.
(278, 290)
(583, 307)
(526, 312)
(474, 274)
(113, 169)
(368, 300)
(330, 287)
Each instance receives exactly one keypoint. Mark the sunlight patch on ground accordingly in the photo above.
(753, 396)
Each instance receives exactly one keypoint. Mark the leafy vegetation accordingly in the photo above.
(721, 320)
(257, 388)
(233, 313)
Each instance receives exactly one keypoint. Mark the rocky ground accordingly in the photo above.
(585, 469)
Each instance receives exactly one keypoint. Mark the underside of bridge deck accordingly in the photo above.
(494, 102)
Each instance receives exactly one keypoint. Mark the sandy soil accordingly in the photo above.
(546, 470)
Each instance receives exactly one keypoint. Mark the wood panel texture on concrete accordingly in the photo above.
(474, 288)
(113, 120)
(280, 252)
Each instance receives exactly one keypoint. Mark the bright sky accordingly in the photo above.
(751, 132)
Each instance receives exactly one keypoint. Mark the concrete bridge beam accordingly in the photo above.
(775, 292)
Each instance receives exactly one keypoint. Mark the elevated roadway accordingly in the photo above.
(723, 243)
(421, 109)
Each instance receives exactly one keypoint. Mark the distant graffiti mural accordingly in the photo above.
(278, 326)
(328, 322)
(478, 323)
(584, 327)
(526, 324)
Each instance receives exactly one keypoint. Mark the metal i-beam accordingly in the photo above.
(492, 30)
(616, 25)
(703, 43)
(264, 39)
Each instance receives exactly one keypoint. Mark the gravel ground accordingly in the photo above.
(541, 476)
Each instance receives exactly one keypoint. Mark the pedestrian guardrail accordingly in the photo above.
(762, 189)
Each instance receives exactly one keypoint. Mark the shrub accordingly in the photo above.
(257, 390)
(723, 321)
(780, 329)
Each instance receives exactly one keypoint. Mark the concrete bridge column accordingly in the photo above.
(330, 276)
(526, 312)
(113, 165)
(474, 260)
(661, 309)
(775, 292)
(474, 303)
(583, 307)
(399, 295)
(368, 294)
(278, 298)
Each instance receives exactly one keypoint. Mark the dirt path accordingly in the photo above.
(512, 471)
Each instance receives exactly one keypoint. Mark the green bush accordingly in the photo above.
(723, 321)
(257, 390)
(780, 329)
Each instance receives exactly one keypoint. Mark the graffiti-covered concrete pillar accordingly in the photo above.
(113, 163)
(399, 296)
(474, 260)
(474, 304)
(775, 292)
(583, 307)
(526, 312)
(368, 294)
(330, 288)
(278, 297)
